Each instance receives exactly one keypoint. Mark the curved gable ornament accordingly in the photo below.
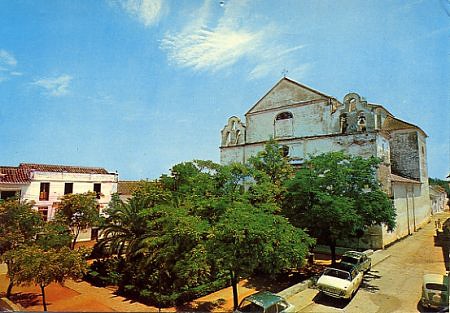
(233, 133)
(356, 115)
(354, 102)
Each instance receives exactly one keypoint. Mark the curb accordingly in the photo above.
(286, 293)
(381, 259)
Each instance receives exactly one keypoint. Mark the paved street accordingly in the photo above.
(393, 285)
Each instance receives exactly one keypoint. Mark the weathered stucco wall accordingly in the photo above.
(302, 148)
(285, 93)
(307, 120)
(413, 210)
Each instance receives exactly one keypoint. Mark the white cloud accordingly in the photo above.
(7, 59)
(212, 41)
(211, 48)
(207, 49)
(7, 63)
(147, 12)
(57, 86)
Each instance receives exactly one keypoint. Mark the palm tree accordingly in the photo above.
(125, 226)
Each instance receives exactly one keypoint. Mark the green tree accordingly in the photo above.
(54, 235)
(337, 196)
(439, 182)
(269, 169)
(19, 225)
(172, 255)
(125, 225)
(247, 239)
(78, 212)
(34, 265)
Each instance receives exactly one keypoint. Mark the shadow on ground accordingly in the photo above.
(421, 309)
(209, 306)
(26, 299)
(284, 280)
(323, 299)
(369, 278)
(442, 239)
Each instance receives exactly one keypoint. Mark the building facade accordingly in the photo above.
(439, 200)
(44, 185)
(308, 122)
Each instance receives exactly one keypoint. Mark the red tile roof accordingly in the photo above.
(400, 179)
(14, 175)
(21, 174)
(63, 168)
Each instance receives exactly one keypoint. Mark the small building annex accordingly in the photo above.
(44, 185)
(308, 122)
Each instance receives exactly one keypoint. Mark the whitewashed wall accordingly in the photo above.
(81, 183)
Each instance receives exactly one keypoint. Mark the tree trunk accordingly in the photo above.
(43, 297)
(76, 233)
(9, 290)
(234, 282)
(11, 281)
(333, 251)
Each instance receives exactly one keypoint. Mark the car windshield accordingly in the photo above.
(337, 273)
(247, 306)
(436, 286)
(348, 259)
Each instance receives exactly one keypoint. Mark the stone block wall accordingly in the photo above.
(405, 158)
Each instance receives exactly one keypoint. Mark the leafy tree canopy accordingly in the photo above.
(247, 239)
(78, 212)
(19, 224)
(335, 195)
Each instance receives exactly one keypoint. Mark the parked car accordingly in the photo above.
(340, 281)
(435, 291)
(360, 260)
(265, 302)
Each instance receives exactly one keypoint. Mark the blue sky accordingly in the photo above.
(138, 86)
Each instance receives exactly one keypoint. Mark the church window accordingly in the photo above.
(343, 124)
(284, 116)
(284, 150)
(283, 125)
(352, 105)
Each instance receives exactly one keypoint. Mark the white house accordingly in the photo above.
(45, 184)
(308, 122)
(439, 200)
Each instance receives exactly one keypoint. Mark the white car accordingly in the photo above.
(361, 260)
(435, 293)
(340, 281)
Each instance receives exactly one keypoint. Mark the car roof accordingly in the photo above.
(343, 267)
(435, 278)
(354, 254)
(264, 299)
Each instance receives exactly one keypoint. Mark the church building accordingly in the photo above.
(308, 122)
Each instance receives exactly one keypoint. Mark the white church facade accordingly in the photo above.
(308, 122)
